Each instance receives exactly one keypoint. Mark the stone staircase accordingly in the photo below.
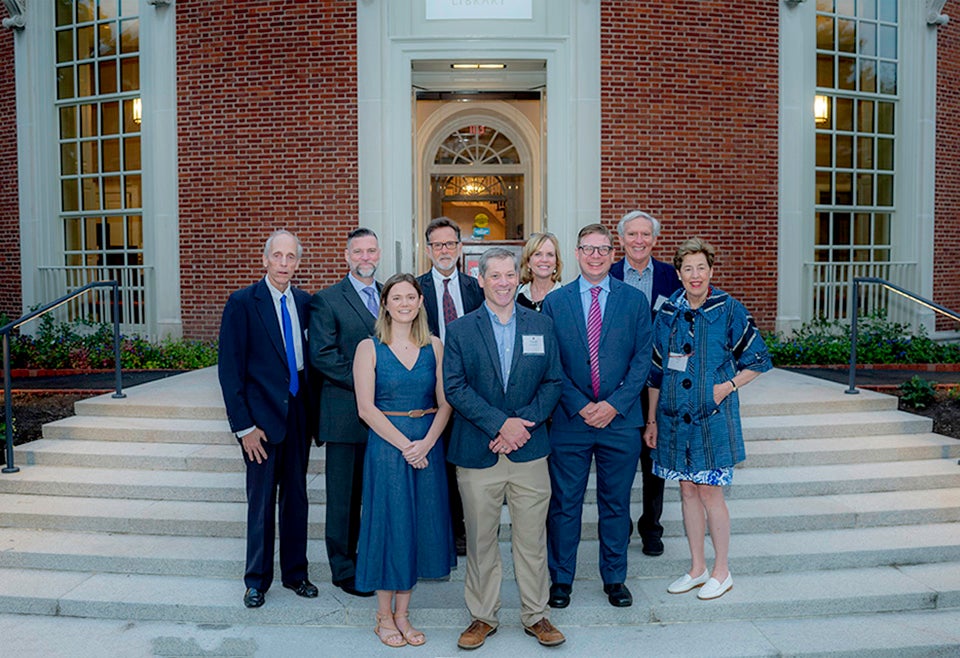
(134, 510)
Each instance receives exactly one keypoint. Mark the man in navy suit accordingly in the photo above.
(638, 234)
(603, 329)
(260, 366)
(447, 295)
(501, 373)
(340, 317)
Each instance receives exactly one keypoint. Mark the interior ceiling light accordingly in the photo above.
(478, 66)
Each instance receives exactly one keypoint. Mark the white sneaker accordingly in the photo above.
(685, 583)
(714, 589)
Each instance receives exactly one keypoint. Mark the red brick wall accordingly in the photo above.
(267, 130)
(10, 301)
(689, 132)
(946, 284)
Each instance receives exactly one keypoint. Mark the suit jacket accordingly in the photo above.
(339, 320)
(252, 360)
(665, 280)
(470, 294)
(624, 354)
(473, 384)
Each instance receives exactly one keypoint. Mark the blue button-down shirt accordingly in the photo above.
(640, 279)
(505, 336)
(586, 297)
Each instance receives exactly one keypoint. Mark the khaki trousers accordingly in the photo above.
(526, 487)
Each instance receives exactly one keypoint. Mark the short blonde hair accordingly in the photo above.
(383, 329)
(533, 245)
(694, 246)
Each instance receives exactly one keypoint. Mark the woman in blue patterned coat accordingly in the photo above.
(705, 348)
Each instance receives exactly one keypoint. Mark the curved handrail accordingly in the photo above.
(33, 315)
(892, 287)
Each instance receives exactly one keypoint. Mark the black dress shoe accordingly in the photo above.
(304, 588)
(653, 546)
(618, 595)
(560, 595)
(349, 585)
(253, 598)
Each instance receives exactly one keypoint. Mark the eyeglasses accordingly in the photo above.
(590, 250)
(449, 246)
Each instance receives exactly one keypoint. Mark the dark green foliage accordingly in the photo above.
(917, 392)
(878, 341)
(81, 344)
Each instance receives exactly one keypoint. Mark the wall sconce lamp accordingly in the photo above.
(137, 111)
(821, 109)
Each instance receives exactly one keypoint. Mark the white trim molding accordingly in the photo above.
(16, 9)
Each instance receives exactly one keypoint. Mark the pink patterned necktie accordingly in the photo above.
(594, 324)
(449, 308)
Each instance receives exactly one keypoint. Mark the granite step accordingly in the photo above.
(202, 600)
(829, 425)
(135, 428)
(850, 449)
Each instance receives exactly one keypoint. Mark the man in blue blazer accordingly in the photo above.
(340, 317)
(638, 232)
(603, 329)
(501, 374)
(448, 294)
(263, 381)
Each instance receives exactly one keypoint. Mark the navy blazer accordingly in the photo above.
(339, 320)
(625, 343)
(252, 360)
(665, 280)
(470, 294)
(473, 384)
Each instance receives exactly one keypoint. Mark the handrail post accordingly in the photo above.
(116, 341)
(8, 405)
(854, 306)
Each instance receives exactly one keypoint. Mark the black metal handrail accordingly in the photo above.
(33, 315)
(892, 287)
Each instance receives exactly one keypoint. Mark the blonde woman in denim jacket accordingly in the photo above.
(705, 348)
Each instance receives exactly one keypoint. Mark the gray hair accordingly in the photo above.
(638, 214)
(497, 253)
(276, 234)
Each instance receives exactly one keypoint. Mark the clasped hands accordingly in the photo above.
(416, 454)
(598, 414)
(513, 434)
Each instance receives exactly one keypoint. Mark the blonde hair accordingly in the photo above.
(383, 329)
(533, 245)
(694, 246)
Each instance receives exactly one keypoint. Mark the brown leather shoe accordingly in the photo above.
(475, 635)
(546, 633)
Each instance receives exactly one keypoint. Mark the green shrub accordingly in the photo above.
(917, 392)
(85, 345)
(879, 340)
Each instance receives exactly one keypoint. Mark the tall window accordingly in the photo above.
(98, 103)
(856, 104)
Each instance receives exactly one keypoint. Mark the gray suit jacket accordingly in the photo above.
(339, 320)
(473, 384)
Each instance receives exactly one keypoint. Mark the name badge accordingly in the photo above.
(533, 344)
(677, 362)
(657, 304)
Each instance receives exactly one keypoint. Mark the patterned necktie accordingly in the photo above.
(288, 343)
(371, 300)
(449, 308)
(594, 324)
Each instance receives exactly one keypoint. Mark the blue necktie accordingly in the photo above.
(372, 305)
(288, 342)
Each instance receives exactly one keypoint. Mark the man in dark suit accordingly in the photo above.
(447, 295)
(638, 234)
(501, 374)
(603, 330)
(260, 366)
(340, 317)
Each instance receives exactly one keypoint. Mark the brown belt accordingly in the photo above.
(413, 413)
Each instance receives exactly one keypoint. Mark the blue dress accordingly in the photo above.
(405, 530)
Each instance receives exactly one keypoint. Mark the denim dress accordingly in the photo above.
(697, 439)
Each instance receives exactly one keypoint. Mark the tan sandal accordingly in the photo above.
(413, 637)
(392, 637)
